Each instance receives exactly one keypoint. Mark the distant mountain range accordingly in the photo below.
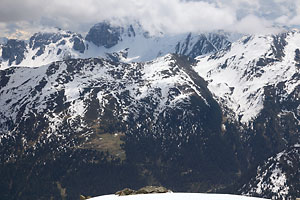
(127, 44)
(120, 108)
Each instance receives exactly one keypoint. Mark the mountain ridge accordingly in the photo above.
(46, 47)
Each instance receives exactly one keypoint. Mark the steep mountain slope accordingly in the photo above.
(152, 122)
(42, 48)
(126, 44)
(238, 75)
(278, 177)
(257, 82)
(196, 45)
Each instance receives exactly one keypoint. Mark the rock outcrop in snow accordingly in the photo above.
(278, 177)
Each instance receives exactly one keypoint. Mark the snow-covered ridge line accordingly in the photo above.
(176, 196)
(125, 44)
(237, 76)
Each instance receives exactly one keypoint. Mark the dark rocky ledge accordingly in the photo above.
(144, 190)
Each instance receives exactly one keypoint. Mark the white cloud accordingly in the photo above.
(296, 19)
(173, 16)
(252, 24)
(282, 19)
(155, 15)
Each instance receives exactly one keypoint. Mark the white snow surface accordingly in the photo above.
(176, 196)
(235, 78)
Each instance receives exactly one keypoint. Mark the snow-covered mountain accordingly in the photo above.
(256, 81)
(41, 49)
(75, 89)
(126, 44)
(95, 122)
(238, 75)
(104, 111)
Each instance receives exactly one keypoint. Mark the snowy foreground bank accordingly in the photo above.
(176, 196)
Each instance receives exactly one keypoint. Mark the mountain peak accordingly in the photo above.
(108, 35)
(126, 43)
(42, 39)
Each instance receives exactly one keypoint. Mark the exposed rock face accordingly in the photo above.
(144, 190)
(126, 192)
(152, 189)
(13, 51)
(82, 197)
(195, 45)
(104, 34)
(78, 44)
(42, 42)
(118, 56)
(42, 48)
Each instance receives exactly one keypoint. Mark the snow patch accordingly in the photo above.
(176, 196)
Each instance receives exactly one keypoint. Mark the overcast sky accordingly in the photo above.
(21, 18)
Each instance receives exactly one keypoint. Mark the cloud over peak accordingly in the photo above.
(169, 16)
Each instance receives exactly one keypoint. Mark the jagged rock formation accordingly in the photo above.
(14, 51)
(196, 45)
(42, 48)
(104, 34)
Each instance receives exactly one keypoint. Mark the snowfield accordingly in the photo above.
(176, 196)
